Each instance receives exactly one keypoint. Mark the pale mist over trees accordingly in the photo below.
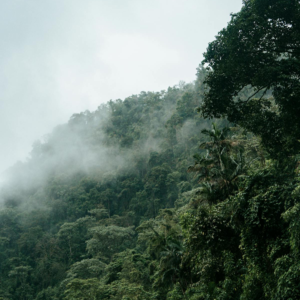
(187, 193)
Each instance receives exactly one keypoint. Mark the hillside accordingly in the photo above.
(189, 193)
(77, 202)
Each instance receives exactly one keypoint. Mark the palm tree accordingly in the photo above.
(222, 164)
(170, 271)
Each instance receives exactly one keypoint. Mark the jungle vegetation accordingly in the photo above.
(188, 193)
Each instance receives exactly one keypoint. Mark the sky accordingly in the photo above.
(59, 57)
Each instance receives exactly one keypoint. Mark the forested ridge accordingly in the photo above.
(188, 193)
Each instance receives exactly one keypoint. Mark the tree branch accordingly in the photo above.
(256, 93)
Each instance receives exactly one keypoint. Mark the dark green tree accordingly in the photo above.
(254, 71)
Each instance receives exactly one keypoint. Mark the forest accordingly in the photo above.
(188, 193)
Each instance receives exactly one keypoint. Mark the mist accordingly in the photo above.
(64, 57)
(129, 169)
(89, 145)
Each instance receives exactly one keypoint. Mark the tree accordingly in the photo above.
(108, 240)
(84, 289)
(254, 72)
(223, 164)
(72, 237)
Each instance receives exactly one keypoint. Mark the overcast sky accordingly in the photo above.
(59, 57)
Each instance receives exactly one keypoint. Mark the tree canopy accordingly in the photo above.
(145, 199)
(258, 52)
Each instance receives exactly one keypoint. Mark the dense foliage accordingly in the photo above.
(259, 50)
(146, 199)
